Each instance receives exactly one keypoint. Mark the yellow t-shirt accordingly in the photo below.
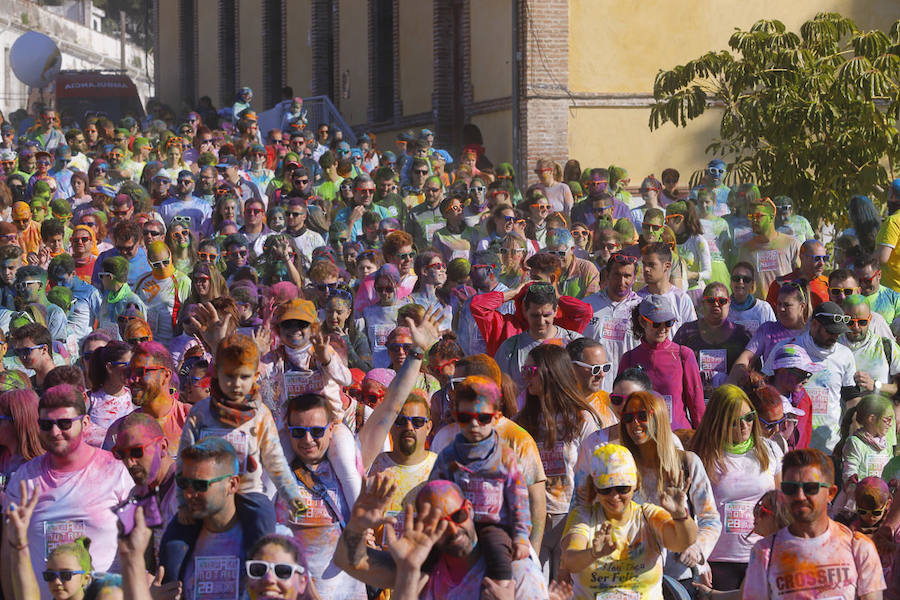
(634, 570)
(889, 235)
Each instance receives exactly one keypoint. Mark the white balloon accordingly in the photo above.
(35, 59)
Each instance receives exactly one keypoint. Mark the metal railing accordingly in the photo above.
(322, 110)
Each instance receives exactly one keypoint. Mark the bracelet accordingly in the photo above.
(415, 353)
(684, 518)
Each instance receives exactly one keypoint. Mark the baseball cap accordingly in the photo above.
(227, 161)
(613, 465)
(895, 187)
(657, 308)
(792, 356)
(296, 310)
(832, 318)
(405, 136)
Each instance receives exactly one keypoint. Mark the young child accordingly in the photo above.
(235, 412)
(865, 453)
(485, 469)
(873, 501)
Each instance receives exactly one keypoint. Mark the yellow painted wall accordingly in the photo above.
(496, 128)
(416, 56)
(491, 46)
(298, 52)
(167, 53)
(354, 60)
(208, 60)
(251, 47)
(619, 45)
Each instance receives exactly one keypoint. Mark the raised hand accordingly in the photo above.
(603, 542)
(426, 333)
(369, 509)
(320, 347)
(18, 517)
(674, 500)
(561, 590)
(421, 533)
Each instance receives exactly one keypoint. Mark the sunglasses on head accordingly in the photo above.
(299, 433)
(467, 417)
(833, 317)
(416, 422)
(63, 424)
(618, 489)
(810, 488)
(642, 416)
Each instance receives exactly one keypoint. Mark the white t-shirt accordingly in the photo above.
(72, 504)
(761, 312)
(824, 388)
(611, 326)
(105, 410)
(529, 582)
(840, 564)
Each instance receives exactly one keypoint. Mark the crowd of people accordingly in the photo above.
(279, 365)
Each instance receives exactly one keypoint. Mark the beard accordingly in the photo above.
(407, 445)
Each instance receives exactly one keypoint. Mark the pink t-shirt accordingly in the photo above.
(72, 504)
(839, 564)
(105, 410)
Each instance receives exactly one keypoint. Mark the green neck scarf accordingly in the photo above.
(741, 448)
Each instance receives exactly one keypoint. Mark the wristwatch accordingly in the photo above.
(877, 386)
(415, 352)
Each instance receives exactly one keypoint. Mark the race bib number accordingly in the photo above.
(297, 383)
(668, 399)
(820, 398)
(614, 330)
(767, 260)
(553, 459)
(739, 517)
(618, 595)
(380, 332)
(715, 361)
(216, 577)
(236, 438)
(485, 495)
(875, 464)
(58, 533)
(399, 526)
(317, 513)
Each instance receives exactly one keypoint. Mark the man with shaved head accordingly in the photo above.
(459, 567)
(813, 257)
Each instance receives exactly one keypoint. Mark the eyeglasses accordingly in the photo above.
(467, 417)
(257, 569)
(596, 370)
(836, 318)
(133, 451)
(875, 512)
(836, 291)
(618, 489)
(642, 416)
(395, 346)
(810, 488)
(746, 418)
(660, 324)
(529, 371)
(858, 322)
(617, 399)
(141, 372)
(198, 485)
(26, 350)
(417, 422)
(717, 300)
(63, 575)
(63, 424)
(299, 433)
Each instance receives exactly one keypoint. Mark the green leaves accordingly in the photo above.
(812, 115)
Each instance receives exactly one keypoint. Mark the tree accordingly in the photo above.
(813, 116)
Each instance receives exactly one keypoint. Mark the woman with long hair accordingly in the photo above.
(558, 193)
(431, 275)
(692, 246)
(19, 441)
(227, 208)
(173, 150)
(339, 322)
(646, 431)
(110, 398)
(865, 222)
(80, 193)
(742, 465)
(182, 243)
(560, 419)
(513, 252)
(537, 207)
(500, 223)
(264, 580)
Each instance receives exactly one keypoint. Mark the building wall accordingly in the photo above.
(208, 61)
(168, 43)
(298, 50)
(416, 56)
(612, 82)
(251, 48)
(353, 61)
(491, 48)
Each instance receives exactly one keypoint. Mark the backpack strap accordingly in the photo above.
(888, 351)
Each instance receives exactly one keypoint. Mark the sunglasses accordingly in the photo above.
(618, 489)
(596, 370)
(63, 424)
(253, 211)
(421, 171)
(458, 516)
(159, 264)
(439, 266)
(660, 324)
(642, 416)
(395, 346)
(617, 399)
(716, 300)
(138, 340)
(624, 259)
(236, 253)
(407, 256)
(541, 206)
(291, 325)
(134, 451)
(771, 425)
(810, 488)
(651, 227)
(746, 418)
(875, 512)
(23, 352)
(833, 317)
(464, 418)
(209, 256)
(384, 290)
(63, 575)
(512, 250)
(529, 371)
(198, 485)
(870, 279)
(822, 258)
(141, 372)
(417, 422)
(299, 433)
(842, 291)
(257, 569)
(858, 322)
(741, 279)
(800, 374)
